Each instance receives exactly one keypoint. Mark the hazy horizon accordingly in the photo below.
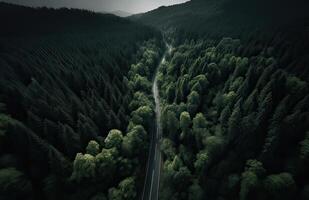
(130, 6)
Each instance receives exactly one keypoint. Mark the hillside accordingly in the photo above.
(208, 99)
(68, 83)
(121, 13)
(219, 18)
(234, 95)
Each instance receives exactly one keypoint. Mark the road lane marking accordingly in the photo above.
(155, 143)
(155, 156)
(151, 184)
(148, 163)
(159, 175)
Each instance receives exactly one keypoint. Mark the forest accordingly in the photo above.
(235, 124)
(74, 102)
(78, 116)
(234, 93)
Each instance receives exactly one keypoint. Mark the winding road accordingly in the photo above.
(152, 180)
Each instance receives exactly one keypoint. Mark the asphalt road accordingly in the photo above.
(152, 180)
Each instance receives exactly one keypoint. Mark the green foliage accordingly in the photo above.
(178, 174)
(125, 190)
(134, 143)
(237, 83)
(195, 191)
(4, 120)
(201, 162)
(199, 128)
(255, 167)
(247, 104)
(304, 148)
(106, 162)
(71, 83)
(193, 102)
(143, 116)
(250, 178)
(140, 69)
(296, 86)
(84, 167)
(113, 139)
(170, 92)
(114, 194)
(185, 121)
(172, 123)
(233, 182)
(141, 83)
(229, 98)
(93, 148)
(279, 185)
(14, 184)
(249, 182)
(167, 147)
(234, 124)
(199, 122)
(214, 146)
(70, 80)
(139, 99)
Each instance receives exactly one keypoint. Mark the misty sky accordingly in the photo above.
(132, 6)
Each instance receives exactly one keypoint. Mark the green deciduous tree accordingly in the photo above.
(249, 182)
(84, 167)
(141, 83)
(280, 185)
(93, 148)
(125, 191)
(143, 116)
(113, 139)
(185, 121)
(135, 142)
(139, 99)
(214, 146)
(167, 146)
(127, 188)
(170, 93)
(199, 128)
(106, 163)
(172, 124)
(114, 194)
(250, 178)
(178, 174)
(193, 102)
(201, 162)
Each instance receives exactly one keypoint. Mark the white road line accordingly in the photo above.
(151, 183)
(155, 142)
(148, 163)
(155, 156)
(159, 175)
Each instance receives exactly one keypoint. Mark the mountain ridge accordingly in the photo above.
(224, 17)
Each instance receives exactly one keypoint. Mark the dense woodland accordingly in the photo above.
(235, 94)
(77, 111)
(74, 100)
(235, 124)
(214, 19)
